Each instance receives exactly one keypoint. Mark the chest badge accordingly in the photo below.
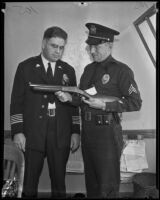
(65, 79)
(105, 79)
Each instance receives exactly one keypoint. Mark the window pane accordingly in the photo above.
(153, 20)
(149, 37)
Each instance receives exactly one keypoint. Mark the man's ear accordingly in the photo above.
(110, 45)
(43, 43)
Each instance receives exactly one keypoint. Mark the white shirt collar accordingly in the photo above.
(45, 63)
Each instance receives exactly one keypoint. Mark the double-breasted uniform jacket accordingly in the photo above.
(28, 109)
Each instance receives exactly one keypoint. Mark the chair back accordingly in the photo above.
(13, 164)
(13, 159)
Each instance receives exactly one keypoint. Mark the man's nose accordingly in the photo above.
(92, 49)
(58, 49)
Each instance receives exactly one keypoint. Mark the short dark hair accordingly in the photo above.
(55, 31)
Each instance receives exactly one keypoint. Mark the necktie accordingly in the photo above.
(49, 73)
(50, 80)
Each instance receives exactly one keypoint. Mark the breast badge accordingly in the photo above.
(105, 79)
(65, 79)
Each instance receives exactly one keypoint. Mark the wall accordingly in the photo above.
(24, 27)
(26, 22)
(135, 55)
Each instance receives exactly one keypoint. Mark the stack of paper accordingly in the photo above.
(133, 159)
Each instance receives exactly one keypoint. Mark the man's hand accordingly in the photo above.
(75, 142)
(63, 96)
(20, 141)
(95, 103)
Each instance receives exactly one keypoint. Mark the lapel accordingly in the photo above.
(39, 69)
(58, 74)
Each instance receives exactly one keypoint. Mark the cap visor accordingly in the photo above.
(93, 41)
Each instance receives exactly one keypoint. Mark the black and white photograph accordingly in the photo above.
(80, 100)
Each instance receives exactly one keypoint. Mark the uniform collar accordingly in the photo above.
(45, 63)
(108, 59)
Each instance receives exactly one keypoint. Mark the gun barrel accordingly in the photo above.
(46, 88)
(72, 89)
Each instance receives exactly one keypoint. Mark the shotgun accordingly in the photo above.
(71, 89)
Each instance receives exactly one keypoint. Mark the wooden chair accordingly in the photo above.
(13, 165)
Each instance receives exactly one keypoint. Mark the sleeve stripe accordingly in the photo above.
(16, 122)
(16, 118)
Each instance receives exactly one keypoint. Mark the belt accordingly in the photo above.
(98, 119)
(51, 112)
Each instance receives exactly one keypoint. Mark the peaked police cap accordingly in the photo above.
(99, 34)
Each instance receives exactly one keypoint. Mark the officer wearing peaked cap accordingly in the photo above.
(102, 141)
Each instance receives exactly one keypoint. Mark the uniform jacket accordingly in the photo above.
(110, 78)
(28, 109)
(113, 78)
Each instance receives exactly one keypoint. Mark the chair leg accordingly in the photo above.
(13, 170)
(7, 170)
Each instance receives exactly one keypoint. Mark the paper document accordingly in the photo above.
(133, 158)
(135, 147)
(91, 91)
(136, 163)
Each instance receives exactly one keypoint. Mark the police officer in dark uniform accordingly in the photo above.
(102, 141)
(41, 125)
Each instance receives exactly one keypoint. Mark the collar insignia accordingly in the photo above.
(37, 65)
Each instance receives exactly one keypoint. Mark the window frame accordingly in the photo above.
(146, 17)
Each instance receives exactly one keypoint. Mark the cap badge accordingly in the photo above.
(105, 78)
(93, 29)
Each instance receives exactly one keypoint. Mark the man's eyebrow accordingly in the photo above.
(53, 44)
